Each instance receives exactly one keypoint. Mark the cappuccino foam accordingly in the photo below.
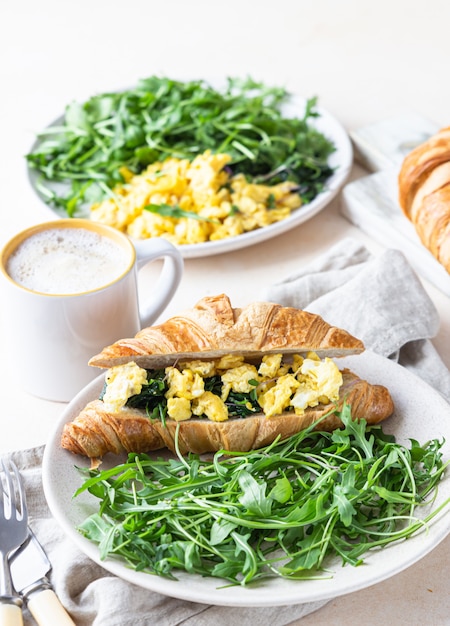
(66, 261)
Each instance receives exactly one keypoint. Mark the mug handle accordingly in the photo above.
(168, 281)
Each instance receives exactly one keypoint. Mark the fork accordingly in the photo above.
(13, 532)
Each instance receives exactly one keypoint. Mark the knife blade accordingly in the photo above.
(30, 567)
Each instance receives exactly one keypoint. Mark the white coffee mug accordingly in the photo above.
(71, 289)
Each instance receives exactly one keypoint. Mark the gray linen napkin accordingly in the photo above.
(94, 597)
(379, 299)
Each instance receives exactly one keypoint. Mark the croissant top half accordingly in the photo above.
(212, 328)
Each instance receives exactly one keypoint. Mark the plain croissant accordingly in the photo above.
(424, 193)
(95, 431)
(213, 328)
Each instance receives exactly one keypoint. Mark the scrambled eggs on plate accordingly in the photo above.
(193, 201)
(205, 388)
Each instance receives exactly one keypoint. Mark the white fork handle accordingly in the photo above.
(10, 615)
(47, 610)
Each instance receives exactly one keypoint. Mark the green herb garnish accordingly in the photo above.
(283, 510)
(162, 118)
(167, 210)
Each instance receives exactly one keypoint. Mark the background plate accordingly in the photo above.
(414, 400)
(341, 160)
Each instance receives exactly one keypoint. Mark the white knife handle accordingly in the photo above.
(47, 610)
(10, 615)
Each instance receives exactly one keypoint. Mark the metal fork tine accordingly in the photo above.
(10, 491)
(13, 532)
(20, 502)
(14, 492)
(3, 473)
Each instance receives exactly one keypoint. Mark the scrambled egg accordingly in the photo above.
(319, 383)
(280, 386)
(179, 409)
(223, 206)
(212, 406)
(123, 381)
(237, 379)
(278, 398)
(185, 384)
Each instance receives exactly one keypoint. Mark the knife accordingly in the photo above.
(29, 568)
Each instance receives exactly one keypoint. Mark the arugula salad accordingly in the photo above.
(281, 511)
(111, 133)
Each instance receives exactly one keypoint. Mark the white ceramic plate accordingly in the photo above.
(420, 413)
(341, 160)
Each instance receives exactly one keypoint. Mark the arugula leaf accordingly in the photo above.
(344, 505)
(254, 495)
(282, 490)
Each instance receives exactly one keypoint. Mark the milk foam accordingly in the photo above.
(66, 261)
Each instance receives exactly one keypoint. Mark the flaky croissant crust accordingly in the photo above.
(96, 432)
(424, 193)
(214, 327)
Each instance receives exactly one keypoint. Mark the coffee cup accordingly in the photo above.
(71, 289)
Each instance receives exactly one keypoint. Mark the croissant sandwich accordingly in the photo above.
(217, 377)
(424, 193)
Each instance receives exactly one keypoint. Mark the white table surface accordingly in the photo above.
(365, 61)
